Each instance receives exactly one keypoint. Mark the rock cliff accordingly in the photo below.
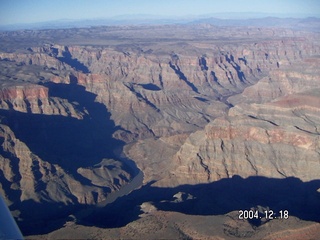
(279, 138)
(44, 126)
(25, 176)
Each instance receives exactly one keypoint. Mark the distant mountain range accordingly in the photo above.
(219, 19)
(312, 24)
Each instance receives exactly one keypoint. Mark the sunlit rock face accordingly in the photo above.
(276, 138)
(246, 145)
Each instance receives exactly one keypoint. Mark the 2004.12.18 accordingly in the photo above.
(267, 214)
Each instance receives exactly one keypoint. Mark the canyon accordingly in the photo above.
(204, 113)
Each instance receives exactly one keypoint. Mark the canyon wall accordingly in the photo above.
(276, 138)
(190, 111)
(169, 92)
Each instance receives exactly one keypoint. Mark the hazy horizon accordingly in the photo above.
(31, 11)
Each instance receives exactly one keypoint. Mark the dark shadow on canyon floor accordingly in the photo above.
(301, 199)
(150, 86)
(73, 62)
(67, 141)
(45, 217)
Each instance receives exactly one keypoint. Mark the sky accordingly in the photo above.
(31, 11)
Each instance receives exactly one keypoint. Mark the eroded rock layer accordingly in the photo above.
(275, 139)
